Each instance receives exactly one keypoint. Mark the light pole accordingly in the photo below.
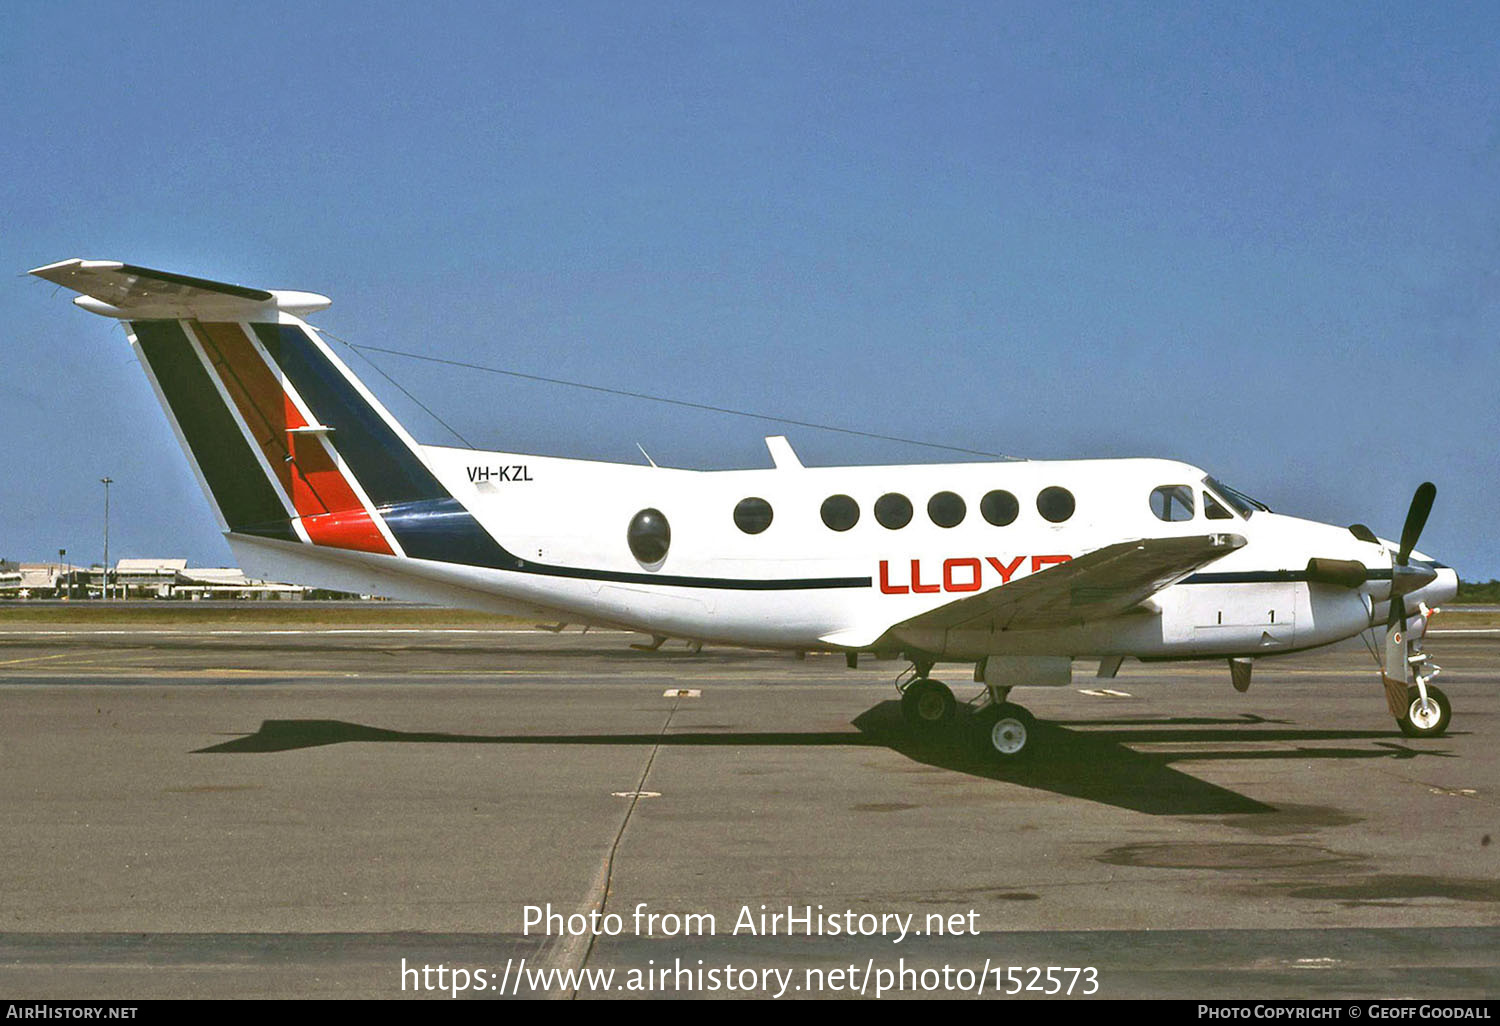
(104, 588)
(68, 578)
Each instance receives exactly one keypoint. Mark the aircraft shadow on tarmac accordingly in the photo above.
(1093, 764)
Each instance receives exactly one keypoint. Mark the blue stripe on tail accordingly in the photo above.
(425, 518)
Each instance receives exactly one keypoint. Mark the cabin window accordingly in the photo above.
(649, 536)
(893, 510)
(999, 508)
(946, 509)
(1213, 510)
(840, 512)
(1055, 504)
(1172, 503)
(752, 515)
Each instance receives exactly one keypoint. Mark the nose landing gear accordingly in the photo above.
(1420, 709)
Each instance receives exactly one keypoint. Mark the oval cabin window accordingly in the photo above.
(893, 510)
(752, 515)
(649, 536)
(999, 508)
(840, 512)
(947, 509)
(1055, 504)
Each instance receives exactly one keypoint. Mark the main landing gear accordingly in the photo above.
(997, 728)
(927, 705)
(1003, 730)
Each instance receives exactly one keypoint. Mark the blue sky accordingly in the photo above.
(1261, 238)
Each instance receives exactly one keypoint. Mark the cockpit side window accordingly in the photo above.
(1242, 503)
(1213, 510)
(1172, 503)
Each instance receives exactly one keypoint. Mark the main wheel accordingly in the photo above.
(928, 705)
(1429, 719)
(1004, 731)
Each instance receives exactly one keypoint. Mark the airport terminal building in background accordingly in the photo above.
(145, 579)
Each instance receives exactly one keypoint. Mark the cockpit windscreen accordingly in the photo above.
(1243, 504)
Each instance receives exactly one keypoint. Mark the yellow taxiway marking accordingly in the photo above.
(168, 675)
(38, 659)
(237, 631)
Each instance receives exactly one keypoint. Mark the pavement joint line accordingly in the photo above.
(566, 955)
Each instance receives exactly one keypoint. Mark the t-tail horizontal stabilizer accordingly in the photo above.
(127, 292)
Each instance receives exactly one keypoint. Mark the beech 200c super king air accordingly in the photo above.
(1015, 567)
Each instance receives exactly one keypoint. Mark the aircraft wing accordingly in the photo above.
(1101, 584)
(116, 289)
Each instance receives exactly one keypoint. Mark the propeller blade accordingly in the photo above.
(1416, 519)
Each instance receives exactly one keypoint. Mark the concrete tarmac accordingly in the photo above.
(250, 811)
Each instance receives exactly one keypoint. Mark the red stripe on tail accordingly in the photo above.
(328, 507)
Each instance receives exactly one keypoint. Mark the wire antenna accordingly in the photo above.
(686, 404)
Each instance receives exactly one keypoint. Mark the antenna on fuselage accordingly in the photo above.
(782, 454)
(646, 454)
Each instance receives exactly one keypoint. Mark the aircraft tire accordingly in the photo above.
(1005, 732)
(928, 705)
(1419, 722)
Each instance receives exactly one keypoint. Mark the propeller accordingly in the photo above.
(1405, 579)
(1416, 519)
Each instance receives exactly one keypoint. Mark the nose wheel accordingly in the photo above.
(1425, 717)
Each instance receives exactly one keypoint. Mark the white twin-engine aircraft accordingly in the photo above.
(1016, 567)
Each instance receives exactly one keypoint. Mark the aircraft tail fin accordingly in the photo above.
(285, 439)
